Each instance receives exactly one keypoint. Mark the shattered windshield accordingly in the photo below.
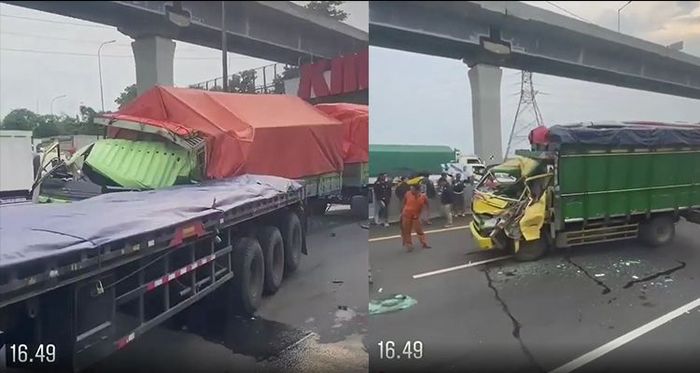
(501, 184)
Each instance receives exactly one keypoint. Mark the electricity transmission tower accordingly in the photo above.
(527, 116)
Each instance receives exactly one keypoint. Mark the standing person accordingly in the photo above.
(446, 199)
(413, 203)
(458, 190)
(468, 194)
(382, 193)
(428, 189)
(401, 188)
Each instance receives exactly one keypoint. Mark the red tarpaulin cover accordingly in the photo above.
(355, 120)
(277, 135)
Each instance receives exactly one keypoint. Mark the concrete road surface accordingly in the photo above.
(611, 307)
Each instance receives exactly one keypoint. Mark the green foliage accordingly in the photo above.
(328, 9)
(128, 95)
(53, 125)
(48, 126)
(20, 119)
(243, 83)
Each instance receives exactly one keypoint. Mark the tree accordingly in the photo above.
(128, 95)
(20, 119)
(243, 83)
(328, 9)
(289, 72)
(87, 114)
(53, 125)
(47, 127)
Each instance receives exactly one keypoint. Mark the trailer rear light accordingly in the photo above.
(191, 230)
(188, 232)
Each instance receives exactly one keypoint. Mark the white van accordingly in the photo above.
(467, 165)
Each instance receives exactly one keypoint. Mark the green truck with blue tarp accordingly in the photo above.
(590, 183)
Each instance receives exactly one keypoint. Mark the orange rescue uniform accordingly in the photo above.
(410, 218)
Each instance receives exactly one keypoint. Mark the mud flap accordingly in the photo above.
(304, 228)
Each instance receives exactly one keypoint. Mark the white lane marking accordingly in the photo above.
(619, 341)
(439, 271)
(426, 232)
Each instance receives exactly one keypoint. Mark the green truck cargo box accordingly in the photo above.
(601, 183)
(407, 160)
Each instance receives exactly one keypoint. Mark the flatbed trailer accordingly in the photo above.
(90, 286)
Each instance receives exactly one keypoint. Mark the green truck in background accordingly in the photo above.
(407, 160)
(589, 184)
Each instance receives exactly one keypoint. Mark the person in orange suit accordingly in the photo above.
(414, 201)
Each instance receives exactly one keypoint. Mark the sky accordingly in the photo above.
(44, 56)
(420, 99)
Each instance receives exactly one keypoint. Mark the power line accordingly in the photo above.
(58, 38)
(93, 41)
(567, 11)
(52, 21)
(527, 114)
(106, 55)
(94, 55)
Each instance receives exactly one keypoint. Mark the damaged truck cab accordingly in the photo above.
(590, 183)
(510, 207)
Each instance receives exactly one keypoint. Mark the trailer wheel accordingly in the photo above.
(272, 246)
(290, 227)
(658, 231)
(531, 250)
(249, 272)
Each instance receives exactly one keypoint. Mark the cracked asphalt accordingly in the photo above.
(507, 316)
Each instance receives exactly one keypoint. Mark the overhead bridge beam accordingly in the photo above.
(515, 35)
(278, 31)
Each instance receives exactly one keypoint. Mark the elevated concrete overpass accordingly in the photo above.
(278, 31)
(491, 34)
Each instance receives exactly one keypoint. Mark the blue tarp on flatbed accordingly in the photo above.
(31, 232)
(625, 134)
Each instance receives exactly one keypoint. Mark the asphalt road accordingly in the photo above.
(315, 322)
(538, 316)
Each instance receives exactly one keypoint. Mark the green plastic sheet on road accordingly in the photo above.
(393, 303)
(140, 164)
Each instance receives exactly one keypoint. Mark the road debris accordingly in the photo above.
(393, 303)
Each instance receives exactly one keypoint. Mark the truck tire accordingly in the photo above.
(531, 250)
(359, 206)
(248, 275)
(290, 227)
(272, 245)
(658, 231)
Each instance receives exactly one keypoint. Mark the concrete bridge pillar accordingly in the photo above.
(485, 82)
(154, 59)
